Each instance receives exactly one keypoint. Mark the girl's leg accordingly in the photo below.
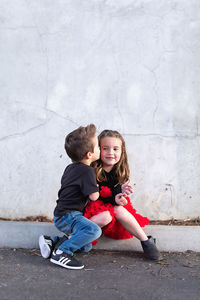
(102, 219)
(129, 223)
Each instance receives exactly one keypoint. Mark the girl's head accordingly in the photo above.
(113, 156)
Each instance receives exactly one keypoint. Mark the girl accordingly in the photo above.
(113, 211)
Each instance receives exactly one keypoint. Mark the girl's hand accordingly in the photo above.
(127, 189)
(120, 199)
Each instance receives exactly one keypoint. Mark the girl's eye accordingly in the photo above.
(116, 149)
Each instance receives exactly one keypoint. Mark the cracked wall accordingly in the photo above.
(133, 66)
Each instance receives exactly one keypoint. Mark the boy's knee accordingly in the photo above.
(96, 231)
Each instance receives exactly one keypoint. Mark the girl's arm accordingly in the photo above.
(120, 199)
(127, 189)
(108, 196)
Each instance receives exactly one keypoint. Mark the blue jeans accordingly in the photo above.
(83, 232)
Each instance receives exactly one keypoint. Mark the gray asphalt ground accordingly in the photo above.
(24, 274)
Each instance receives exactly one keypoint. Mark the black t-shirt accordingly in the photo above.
(77, 183)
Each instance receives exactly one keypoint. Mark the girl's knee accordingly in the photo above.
(122, 212)
(119, 209)
(106, 218)
(102, 219)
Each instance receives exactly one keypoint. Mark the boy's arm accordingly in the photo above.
(94, 196)
(89, 184)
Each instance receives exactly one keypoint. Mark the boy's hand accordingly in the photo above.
(127, 189)
(120, 199)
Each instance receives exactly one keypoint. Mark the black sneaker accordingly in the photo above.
(66, 261)
(61, 240)
(46, 246)
(150, 249)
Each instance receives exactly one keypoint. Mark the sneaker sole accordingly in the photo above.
(44, 248)
(65, 266)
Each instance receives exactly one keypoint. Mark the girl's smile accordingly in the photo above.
(111, 149)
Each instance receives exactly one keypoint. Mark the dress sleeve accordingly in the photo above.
(117, 189)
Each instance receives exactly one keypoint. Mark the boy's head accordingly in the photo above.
(80, 142)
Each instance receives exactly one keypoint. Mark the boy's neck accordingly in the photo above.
(86, 161)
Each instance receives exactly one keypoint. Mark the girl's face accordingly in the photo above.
(111, 149)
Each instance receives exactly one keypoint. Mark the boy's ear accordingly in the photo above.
(88, 155)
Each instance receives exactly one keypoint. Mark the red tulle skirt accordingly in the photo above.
(114, 229)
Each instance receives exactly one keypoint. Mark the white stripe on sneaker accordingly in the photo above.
(61, 259)
(66, 261)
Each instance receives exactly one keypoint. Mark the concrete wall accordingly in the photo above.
(128, 65)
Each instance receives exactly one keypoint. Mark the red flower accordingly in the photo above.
(105, 192)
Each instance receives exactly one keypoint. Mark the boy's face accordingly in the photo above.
(96, 153)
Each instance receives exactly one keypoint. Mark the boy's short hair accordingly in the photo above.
(79, 142)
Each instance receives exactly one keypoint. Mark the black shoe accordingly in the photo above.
(46, 246)
(150, 249)
(61, 240)
(66, 261)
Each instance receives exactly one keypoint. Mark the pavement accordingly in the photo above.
(25, 275)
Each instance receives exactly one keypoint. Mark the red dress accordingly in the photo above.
(107, 191)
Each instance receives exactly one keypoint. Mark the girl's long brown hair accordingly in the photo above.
(121, 168)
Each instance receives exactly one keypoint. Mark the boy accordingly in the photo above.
(78, 186)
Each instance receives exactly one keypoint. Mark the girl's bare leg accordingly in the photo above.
(132, 226)
(102, 219)
(129, 223)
